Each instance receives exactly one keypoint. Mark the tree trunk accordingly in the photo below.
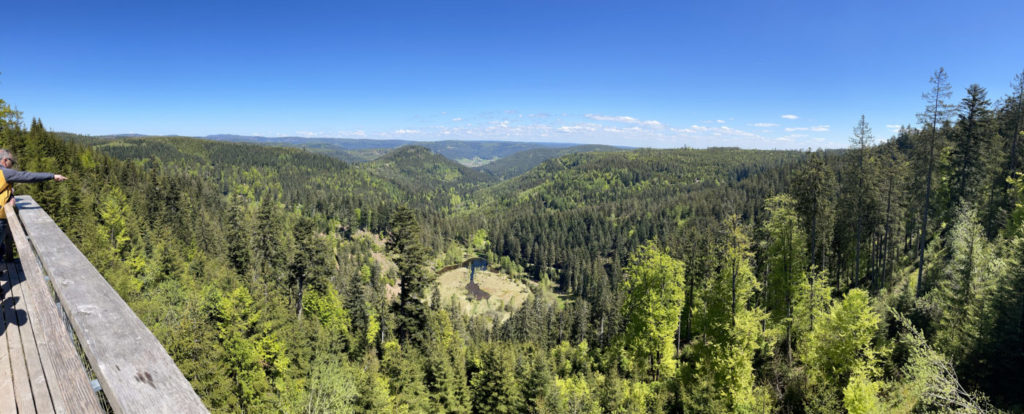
(924, 213)
(299, 302)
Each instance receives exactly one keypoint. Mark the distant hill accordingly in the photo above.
(522, 161)
(294, 176)
(472, 153)
(418, 169)
(620, 178)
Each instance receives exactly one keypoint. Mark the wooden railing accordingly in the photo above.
(133, 369)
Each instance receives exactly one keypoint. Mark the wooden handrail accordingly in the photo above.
(135, 371)
(69, 387)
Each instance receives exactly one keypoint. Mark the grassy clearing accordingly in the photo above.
(507, 295)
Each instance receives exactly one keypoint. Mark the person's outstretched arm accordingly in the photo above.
(15, 176)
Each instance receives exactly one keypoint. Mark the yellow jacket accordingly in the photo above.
(6, 192)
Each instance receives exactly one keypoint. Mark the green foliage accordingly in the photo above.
(787, 260)
(416, 280)
(520, 162)
(10, 118)
(813, 186)
(839, 344)
(931, 383)
(966, 291)
(654, 301)
(495, 387)
(256, 357)
(327, 308)
(333, 388)
(861, 394)
(574, 396)
(731, 334)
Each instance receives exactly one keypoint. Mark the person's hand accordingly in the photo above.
(58, 177)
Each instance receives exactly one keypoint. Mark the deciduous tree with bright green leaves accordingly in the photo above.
(840, 342)
(655, 295)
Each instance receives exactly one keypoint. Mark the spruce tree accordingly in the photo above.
(404, 242)
(936, 112)
(970, 141)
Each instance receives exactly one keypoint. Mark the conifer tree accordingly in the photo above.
(814, 187)
(787, 260)
(971, 139)
(860, 198)
(972, 277)
(936, 112)
(404, 242)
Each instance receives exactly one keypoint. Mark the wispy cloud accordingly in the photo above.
(765, 125)
(720, 121)
(818, 128)
(456, 119)
(790, 116)
(407, 131)
(893, 127)
(624, 119)
(568, 129)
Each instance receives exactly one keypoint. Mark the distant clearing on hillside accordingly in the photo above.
(507, 295)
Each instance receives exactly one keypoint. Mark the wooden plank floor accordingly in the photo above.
(25, 385)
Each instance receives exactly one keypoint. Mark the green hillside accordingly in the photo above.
(419, 169)
(522, 161)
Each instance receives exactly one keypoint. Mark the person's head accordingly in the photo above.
(6, 158)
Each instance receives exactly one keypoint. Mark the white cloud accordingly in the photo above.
(738, 132)
(817, 128)
(576, 128)
(720, 121)
(407, 131)
(790, 116)
(893, 127)
(624, 119)
(627, 119)
(765, 125)
(456, 119)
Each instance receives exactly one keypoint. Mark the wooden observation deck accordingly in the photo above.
(68, 342)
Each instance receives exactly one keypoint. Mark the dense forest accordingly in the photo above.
(884, 277)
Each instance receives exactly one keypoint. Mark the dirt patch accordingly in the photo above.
(391, 292)
(476, 292)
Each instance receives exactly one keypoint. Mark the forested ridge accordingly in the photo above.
(885, 277)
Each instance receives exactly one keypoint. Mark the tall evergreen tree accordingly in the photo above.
(860, 200)
(311, 267)
(970, 140)
(787, 261)
(814, 187)
(936, 112)
(1016, 134)
(405, 243)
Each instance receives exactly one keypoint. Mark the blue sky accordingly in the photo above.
(757, 74)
